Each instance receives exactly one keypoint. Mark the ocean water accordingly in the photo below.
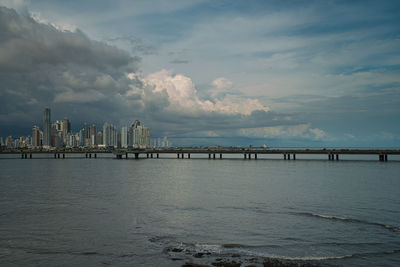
(166, 212)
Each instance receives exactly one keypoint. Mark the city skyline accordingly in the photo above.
(59, 134)
(285, 73)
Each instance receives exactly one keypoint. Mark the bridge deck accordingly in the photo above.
(209, 151)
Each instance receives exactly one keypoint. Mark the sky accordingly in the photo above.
(281, 73)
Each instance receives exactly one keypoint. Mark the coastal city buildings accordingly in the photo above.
(47, 128)
(59, 134)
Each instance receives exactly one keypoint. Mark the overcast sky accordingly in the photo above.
(284, 73)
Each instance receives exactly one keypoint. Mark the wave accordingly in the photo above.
(350, 220)
(260, 253)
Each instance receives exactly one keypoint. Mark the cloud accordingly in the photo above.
(179, 61)
(135, 44)
(183, 95)
(287, 131)
(85, 80)
(222, 83)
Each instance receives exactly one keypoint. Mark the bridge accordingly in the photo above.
(213, 153)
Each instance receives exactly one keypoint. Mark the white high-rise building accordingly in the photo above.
(124, 137)
(141, 137)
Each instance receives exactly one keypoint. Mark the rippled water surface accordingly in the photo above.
(145, 212)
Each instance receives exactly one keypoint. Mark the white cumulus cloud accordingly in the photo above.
(183, 95)
(222, 83)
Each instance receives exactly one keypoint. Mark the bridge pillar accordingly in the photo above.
(86, 155)
(26, 155)
(55, 155)
(95, 155)
(249, 155)
(178, 156)
(64, 156)
(209, 156)
(30, 155)
(255, 156)
(220, 156)
(284, 156)
(337, 156)
(158, 155)
(386, 157)
(245, 156)
(188, 155)
(126, 155)
(294, 156)
(58, 155)
(183, 155)
(151, 155)
(147, 155)
(288, 156)
(380, 157)
(22, 156)
(136, 155)
(90, 155)
(214, 156)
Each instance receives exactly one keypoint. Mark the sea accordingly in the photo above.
(167, 212)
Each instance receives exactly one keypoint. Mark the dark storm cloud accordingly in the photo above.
(43, 66)
(89, 81)
(136, 45)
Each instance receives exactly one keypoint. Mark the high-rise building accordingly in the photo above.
(124, 137)
(141, 137)
(10, 142)
(106, 134)
(93, 135)
(35, 136)
(46, 128)
(99, 138)
(66, 128)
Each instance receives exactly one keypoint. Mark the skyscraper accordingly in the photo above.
(93, 135)
(47, 128)
(124, 137)
(66, 128)
(35, 136)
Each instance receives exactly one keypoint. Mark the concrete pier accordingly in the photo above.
(223, 152)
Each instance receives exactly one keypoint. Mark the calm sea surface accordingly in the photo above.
(161, 212)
